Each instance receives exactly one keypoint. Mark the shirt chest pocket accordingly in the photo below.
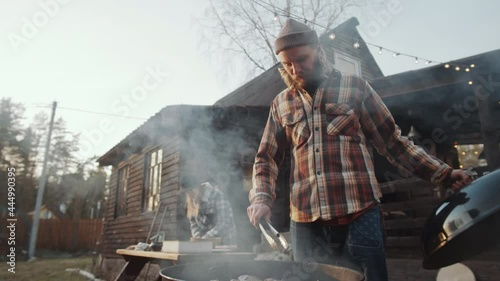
(297, 130)
(341, 119)
(207, 218)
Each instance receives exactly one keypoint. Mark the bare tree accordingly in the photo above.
(246, 29)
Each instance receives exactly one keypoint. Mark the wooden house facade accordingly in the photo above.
(148, 164)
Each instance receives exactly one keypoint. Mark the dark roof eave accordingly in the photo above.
(434, 76)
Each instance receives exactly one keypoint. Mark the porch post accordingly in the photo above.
(487, 97)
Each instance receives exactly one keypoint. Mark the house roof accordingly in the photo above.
(261, 90)
(55, 211)
(138, 138)
(441, 98)
(436, 76)
(174, 120)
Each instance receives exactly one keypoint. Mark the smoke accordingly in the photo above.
(216, 141)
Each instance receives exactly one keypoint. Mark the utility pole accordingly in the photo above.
(41, 187)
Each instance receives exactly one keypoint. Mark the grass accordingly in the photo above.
(45, 269)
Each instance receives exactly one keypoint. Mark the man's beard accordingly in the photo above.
(314, 78)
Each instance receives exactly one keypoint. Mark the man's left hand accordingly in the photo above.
(459, 179)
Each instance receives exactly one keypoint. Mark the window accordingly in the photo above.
(121, 192)
(346, 64)
(152, 182)
(471, 155)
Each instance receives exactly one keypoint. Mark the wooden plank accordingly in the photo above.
(486, 102)
(403, 242)
(410, 184)
(68, 234)
(124, 230)
(407, 223)
(214, 256)
(395, 86)
(420, 203)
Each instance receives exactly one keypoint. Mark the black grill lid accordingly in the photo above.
(464, 224)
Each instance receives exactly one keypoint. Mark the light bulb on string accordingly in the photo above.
(467, 69)
(472, 65)
(356, 45)
(470, 82)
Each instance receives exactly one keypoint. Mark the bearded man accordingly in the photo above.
(326, 119)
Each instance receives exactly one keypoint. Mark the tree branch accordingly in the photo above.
(236, 41)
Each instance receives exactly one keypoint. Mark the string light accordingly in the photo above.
(272, 8)
(470, 82)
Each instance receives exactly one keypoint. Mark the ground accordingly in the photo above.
(45, 269)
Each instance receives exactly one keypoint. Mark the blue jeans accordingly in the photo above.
(359, 245)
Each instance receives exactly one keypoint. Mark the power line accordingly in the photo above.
(93, 112)
(102, 113)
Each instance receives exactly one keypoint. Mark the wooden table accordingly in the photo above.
(135, 260)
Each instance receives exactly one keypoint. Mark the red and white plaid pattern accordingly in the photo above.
(332, 173)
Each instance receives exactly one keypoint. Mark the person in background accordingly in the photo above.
(325, 120)
(208, 211)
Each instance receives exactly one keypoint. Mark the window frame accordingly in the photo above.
(121, 191)
(357, 64)
(149, 188)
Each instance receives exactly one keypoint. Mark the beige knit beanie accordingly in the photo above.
(294, 34)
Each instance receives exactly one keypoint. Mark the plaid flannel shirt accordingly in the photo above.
(332, 173)
(214, 216)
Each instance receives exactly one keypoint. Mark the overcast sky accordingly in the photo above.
(132, 58)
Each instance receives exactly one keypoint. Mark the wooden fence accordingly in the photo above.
(66, 235)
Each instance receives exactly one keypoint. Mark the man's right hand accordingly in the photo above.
(258, 211)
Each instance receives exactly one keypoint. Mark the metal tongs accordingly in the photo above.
(267, 228)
